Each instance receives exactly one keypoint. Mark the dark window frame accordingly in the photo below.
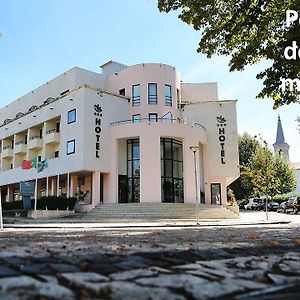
(68, 142)
(168, 98)
(152, 98)
(153, 114)
(68, 116)
(136, 121)
(136, 100)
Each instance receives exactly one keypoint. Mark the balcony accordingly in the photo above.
(7, 152)
(52, 137)
(20, 147)
(35, 142)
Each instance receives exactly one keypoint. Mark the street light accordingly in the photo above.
(194, 150)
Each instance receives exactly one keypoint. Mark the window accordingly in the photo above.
(136, 95)
(153, 117)
(171, 154)
(72, 116)
(133, 170)
(168, 117)
(136, 118)
(168, 95)
(70, 147)
(152, 93)
(56, 154)
(122, 92)
(57, 126)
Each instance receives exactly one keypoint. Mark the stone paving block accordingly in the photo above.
(224, 288)
(5, 272)
(172, 281)
(86, 280)
(281, 279)
(29, 288)
(12, 283)
(128, 291)
(63, 268)
(132, 274)
(289, 266)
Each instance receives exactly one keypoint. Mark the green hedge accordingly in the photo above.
(51, 203)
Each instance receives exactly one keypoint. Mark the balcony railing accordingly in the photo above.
(159, 120)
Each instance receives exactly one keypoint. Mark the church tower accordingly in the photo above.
(280, 145)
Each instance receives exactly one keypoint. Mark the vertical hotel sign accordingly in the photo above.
(222, 138)
(98, 128)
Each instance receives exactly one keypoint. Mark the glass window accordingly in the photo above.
(215, 193)
(136, 118)
(70, 147)
(171, 170)
(136, 95)
(152, 93)
(133, 170)
(168, 117)
(152, 117)
(72, 116)
(168, 95)
(122, 92)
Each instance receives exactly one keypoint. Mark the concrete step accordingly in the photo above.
(150, 211)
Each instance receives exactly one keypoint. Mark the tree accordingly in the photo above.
(247, 31)
(262, 173)
(242, 187)
(270, 174)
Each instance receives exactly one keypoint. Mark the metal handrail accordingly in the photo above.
(162, 120)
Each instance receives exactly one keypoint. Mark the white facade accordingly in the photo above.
(143, 111)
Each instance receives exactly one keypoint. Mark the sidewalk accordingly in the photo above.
(246, 219)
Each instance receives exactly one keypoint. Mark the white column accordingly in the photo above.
(68, 185)
(150, 174)
(113, 176)
(1, 220)
(47, 186)
(57, 186)
(96, 188)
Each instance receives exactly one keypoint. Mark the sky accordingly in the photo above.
(41, 39)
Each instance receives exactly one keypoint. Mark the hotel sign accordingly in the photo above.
(98, 128)
(222, 137)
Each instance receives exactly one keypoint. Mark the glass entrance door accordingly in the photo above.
(216, 193)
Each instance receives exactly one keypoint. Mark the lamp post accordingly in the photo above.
(194, 150)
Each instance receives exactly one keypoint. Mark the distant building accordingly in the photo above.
(121, 136)
(282, 147)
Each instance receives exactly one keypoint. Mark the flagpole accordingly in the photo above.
(1, 218)
(35, 195)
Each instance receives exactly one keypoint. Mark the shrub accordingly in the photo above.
(12, 205)
(50, 202)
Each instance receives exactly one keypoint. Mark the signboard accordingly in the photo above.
(27, 188)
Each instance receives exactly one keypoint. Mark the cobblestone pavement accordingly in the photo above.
(247, 262)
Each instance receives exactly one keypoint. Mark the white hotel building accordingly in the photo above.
(121, 136)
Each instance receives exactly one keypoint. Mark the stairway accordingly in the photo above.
(151, 212)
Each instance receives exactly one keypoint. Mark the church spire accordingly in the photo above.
(280, 145)
(279, 135)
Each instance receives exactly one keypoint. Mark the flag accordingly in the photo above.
(42, 165)
(35, 162)
(26, 164)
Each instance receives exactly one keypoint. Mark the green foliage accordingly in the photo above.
(270, 174)
(247, 31)
(262, 173)
(242, 187)
(50, 202)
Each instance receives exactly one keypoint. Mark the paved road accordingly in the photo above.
(216, 262)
